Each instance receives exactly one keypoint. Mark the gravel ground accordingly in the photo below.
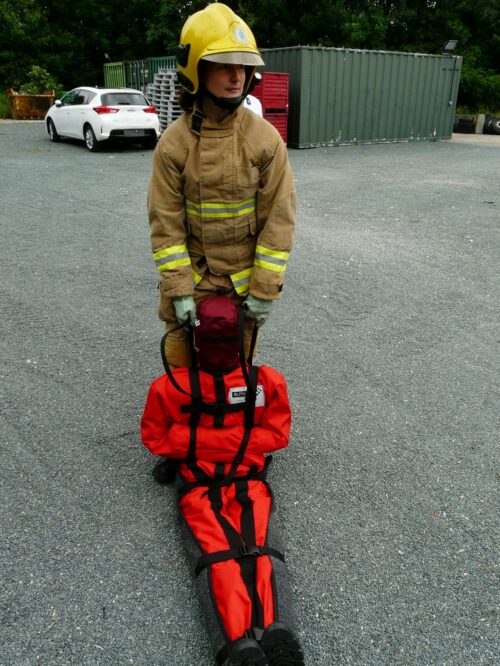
(388, 335)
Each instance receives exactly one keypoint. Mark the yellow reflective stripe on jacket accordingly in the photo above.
(241, 281)
(196, 277)
(171, 258)
(221, 210)
(273, 260)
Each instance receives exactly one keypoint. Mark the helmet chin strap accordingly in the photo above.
(226, 103)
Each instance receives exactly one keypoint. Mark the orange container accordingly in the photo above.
(30, 107)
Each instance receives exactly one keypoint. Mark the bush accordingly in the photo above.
(479, 90)
(38, 81)
(4, 107)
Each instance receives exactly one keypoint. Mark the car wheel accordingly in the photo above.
(150, 143)
(51, 129)
(464, 124)
(90, 141)
(487, 124)
(495, 126)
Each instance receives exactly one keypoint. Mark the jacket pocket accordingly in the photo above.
(247, 182)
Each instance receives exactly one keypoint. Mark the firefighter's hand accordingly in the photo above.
(257, 308)
(185, 310)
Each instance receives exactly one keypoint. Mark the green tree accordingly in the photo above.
(73, 40)
(19, 22)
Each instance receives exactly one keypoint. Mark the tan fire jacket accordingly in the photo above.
(222, 197)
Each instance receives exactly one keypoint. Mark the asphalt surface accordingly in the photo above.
(388, 336)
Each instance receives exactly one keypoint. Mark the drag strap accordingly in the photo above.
(241, 338)
(164, 359)
(235, 554)
(248, 421)
(249, 407)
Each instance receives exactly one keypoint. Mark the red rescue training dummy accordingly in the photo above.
(218, 420)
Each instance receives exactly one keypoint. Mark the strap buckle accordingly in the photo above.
(249, 551)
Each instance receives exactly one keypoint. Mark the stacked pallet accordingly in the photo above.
(272, 92)
(163, 94)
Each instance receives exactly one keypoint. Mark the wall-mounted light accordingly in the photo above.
(449, 46)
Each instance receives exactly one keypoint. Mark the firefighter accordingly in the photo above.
(218, 421)
(221, 198)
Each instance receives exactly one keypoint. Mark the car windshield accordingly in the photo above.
(123, 98)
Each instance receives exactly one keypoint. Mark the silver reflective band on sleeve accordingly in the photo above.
(171, 258)
(272, 260)
(241, 281)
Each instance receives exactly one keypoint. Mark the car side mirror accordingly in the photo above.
(58, 103)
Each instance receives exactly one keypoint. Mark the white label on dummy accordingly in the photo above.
(238, 394)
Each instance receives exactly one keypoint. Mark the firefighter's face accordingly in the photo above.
(224, 80)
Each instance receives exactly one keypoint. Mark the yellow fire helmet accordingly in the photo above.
(216, 34)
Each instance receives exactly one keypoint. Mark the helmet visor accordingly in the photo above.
(235, 58)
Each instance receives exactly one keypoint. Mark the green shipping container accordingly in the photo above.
(155, 64)
(342, 96)
(135, 73)
(115, 75)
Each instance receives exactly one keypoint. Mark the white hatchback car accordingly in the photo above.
(101, 114)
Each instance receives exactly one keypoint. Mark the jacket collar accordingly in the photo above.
(203, 126)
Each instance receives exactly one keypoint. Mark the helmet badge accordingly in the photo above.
(239, 35)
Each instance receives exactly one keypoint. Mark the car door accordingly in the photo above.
(76, 111)
(61, 114)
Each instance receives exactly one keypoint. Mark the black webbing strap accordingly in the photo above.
(213, 408)
(209, 481)
(235, 554)
(194, 418)
(252, 632)
(248, 565)
(164, 359)
(241, 337)
(248, 421)
(220, 397)
(195, 407)
(249, 414)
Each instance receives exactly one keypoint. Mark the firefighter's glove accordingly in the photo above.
(185, 310)
(257, 308)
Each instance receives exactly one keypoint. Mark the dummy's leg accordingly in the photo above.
(258, 525)
(240, 597)
(209, 527)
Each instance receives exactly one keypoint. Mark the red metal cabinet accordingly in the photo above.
(272, 92)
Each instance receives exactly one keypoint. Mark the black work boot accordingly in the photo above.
(246, 652)
(281, 647)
